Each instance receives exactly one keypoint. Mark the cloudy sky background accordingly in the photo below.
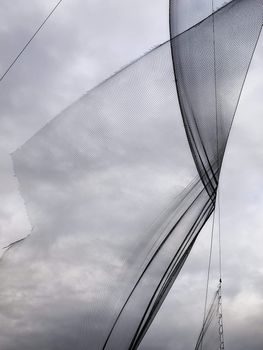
(82, 44)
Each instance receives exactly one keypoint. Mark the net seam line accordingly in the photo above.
(29, 41)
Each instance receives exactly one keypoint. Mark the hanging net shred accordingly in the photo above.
(211, 334)
(115, 195)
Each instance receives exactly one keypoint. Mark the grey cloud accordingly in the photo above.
(70, 64)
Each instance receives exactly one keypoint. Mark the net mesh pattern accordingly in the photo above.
(211, 62)
(116, 196)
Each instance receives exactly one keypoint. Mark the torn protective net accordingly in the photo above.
(105, 183)
(115, 199)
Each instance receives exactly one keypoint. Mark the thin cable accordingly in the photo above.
(30, 40)
(220, 309)
(213, 224)
(215, 86)
(219, 236)
(208, 272)
(217, 147)
(220, 306)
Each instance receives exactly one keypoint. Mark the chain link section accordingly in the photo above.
(220, 318)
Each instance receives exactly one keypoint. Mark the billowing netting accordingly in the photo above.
(114, 197)
(106, 185)
(211, 62)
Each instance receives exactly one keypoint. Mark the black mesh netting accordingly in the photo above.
(113, 194)
(211, 62)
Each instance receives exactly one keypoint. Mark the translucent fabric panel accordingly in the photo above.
(106, 183)
(187, 13)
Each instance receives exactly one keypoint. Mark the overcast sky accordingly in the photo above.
(82, 44)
